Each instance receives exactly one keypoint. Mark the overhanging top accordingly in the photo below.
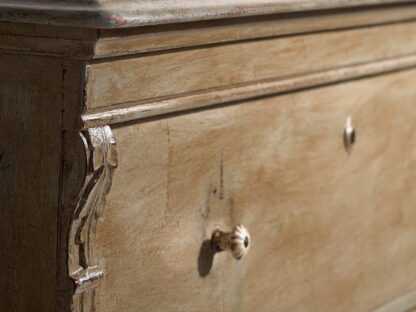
(133, 13)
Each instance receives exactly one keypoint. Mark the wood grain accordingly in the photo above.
(145, 109)
(126, 13)
(163, 74)
(30, 156)
(84, 264)
(125, 41)
(44, 39)
(73, 173)
(331, 230)
(76, 42)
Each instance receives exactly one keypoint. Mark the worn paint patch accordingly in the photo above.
(115, 18)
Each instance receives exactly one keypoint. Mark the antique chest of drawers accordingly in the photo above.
(239, 155)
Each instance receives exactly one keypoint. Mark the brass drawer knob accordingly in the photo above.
(237, 241)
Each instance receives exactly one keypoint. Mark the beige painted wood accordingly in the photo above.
(118, 218)
(405, 303)
(164, 74)
(30, 148)
(125, 41)
(331, 230)
(42, 39)
(81, 43)
(128, 13)
(180, 103)
(73, 172)
(40, 106)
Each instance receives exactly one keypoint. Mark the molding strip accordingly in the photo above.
(126, 13)
(166, 105)
(90, 44)
(403, 303)
(127, 41)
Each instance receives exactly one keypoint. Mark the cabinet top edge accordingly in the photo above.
(104, 14)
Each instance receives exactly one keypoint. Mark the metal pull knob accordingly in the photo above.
(349, 135)
(237, 241)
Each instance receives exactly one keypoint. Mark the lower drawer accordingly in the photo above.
(331, 230)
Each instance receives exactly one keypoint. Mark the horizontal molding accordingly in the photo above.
(126, 13)
(182, 71)
(48, 40)
(116, 42)
(88, 44)
(161, 106)
(401, 304)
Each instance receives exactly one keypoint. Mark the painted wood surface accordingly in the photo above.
(128, 13)
(125, 41)
(330, 230)
(76, 42)
(405, 302)
(40, 105)
(209, 98)
(70, 42)
(72, 178)
(30, 159)
(83, 262)
(182, 71)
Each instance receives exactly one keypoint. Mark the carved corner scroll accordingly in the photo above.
(83, 263)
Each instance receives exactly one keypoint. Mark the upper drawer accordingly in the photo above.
(331, 230)
(162, 74)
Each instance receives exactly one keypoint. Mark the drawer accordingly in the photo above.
(185, 71)
(330, 230)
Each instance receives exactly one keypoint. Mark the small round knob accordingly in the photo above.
(349, 135)
(237, 241)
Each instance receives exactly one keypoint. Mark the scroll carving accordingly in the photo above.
(83, 263)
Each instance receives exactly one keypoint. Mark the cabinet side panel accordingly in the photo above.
(30, 152)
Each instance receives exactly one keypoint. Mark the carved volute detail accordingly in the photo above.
(83, 263)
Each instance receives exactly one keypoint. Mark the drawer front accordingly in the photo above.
(331, 230)
(184, 71)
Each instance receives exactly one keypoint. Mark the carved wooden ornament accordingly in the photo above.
(83, 263)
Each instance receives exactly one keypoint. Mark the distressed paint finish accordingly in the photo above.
(30, 145)
(128, 13)
(331, 230)
(186, 102)
(81, 43)
(125, 41)
(83, 263)
(190, 71)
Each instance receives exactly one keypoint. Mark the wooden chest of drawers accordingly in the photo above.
(136, 134)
